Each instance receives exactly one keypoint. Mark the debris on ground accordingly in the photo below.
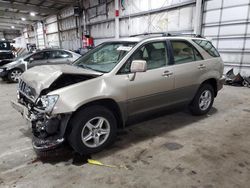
(236, 80)
(98, 163)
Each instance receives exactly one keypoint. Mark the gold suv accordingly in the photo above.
(86, 102)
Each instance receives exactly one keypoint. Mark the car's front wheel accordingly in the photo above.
(14, 75)
(92, 129)
(203, 100)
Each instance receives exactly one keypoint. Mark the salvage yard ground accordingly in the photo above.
(173, 150)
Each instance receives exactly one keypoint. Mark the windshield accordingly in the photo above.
(104, 57)
(4, 46)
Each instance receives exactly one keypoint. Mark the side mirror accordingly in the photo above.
(138, 66)
(31, 59)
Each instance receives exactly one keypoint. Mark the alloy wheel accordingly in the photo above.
(205, 100)
(95, 132)
(15, 75)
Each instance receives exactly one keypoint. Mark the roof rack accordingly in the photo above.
(164, 34)
(186, 34)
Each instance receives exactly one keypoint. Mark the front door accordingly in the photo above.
(39, 58)
(151, 89)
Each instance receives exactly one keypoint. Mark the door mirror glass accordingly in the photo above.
(138, 66)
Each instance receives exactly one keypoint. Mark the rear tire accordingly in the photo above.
(14, 75)
(92, 129)
(203, 100)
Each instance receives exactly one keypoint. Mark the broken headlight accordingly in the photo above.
(48, 102)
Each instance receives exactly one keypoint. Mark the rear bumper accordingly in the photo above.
(221, 82)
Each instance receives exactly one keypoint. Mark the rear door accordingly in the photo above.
(188, 67)
(213, 61)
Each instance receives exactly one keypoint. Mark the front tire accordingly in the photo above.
(92, 129)
(14, 75)
(203, 100)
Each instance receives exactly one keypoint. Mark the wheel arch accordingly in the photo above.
(213, 83)
(15, 68)
(110, 104)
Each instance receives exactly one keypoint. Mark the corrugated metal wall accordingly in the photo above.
(139, 16)
(29, 34)
(226, 22)
(8, 35)
(1, 35)
(68, 29)
(52, 35)
(40, 35)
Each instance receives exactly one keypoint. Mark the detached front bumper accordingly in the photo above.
(51, 138)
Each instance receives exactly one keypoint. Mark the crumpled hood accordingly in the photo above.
(41, 77)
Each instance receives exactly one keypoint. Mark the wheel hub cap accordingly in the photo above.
(15, 75)
(95, 132)
(205, 100)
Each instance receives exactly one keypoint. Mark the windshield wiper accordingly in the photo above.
(89, 68)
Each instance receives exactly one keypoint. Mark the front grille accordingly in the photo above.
(22, 85)
(26, 90)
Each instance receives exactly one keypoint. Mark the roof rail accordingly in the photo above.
(165, 34)
(186, 34)
(155, 33)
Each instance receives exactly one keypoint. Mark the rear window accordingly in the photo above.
(208, 47)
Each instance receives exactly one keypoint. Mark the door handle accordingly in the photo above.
(167, 73)
(201, 66)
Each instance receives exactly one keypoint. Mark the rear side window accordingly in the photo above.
(57, 54)
(184, 52)
(208, 47)
(66, 54)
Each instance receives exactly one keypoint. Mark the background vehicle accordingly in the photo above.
(12, 71)
(85, 103)
(6, 54)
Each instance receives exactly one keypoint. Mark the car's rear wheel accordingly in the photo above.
(92, 129)
(14, 75)
(203, 100)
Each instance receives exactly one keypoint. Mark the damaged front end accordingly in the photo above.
(48, 130)
(37, 106)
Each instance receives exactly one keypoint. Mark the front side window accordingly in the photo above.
(184, 52)
(105, 57)
(208, 47)
(155, 54)
(38, 56)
